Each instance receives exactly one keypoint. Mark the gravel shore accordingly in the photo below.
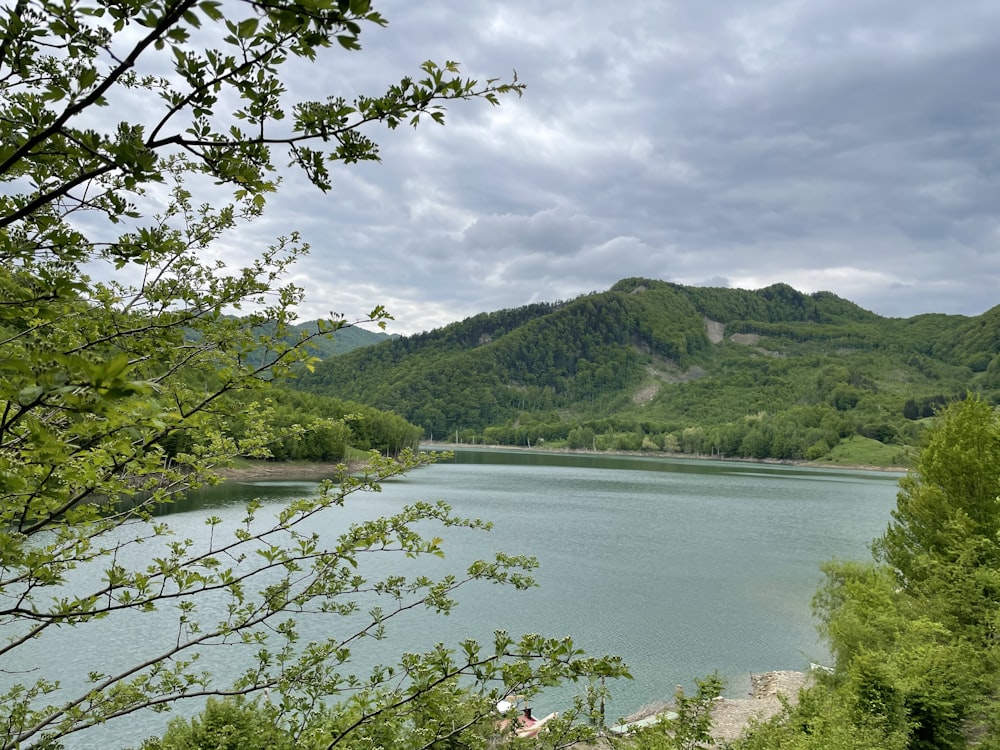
(731, 716)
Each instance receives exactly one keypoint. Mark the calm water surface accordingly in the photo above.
(681, 567)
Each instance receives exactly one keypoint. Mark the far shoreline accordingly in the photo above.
(439, 446)
(262, 470)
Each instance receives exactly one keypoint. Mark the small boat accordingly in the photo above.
(524, 724)
(627, 727)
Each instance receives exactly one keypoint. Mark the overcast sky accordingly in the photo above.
(850, 146)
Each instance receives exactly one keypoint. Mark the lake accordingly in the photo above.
(682, 567)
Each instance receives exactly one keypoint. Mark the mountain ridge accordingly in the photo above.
(656, 360)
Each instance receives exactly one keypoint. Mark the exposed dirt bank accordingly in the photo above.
(257, 470)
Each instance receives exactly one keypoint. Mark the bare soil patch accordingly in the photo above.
(646, 394)
(282, 470)
(715, 330)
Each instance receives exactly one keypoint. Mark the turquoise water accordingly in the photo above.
(681, 567)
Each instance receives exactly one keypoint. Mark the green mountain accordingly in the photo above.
(319, 345)
(650, 365)
(344, 339)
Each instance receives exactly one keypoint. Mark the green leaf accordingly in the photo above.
(212, 9)
(87, 77)
(247, 28)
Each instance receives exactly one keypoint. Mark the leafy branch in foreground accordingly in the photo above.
(275, 581)
(135, 136)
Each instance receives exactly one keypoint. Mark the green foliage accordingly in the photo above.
(942, 543)
(776, 303)
(321, 428)
(115, 395)
(913, 633)
(786, 375)
(445, 715)
(858, 451)
(488, 369)
(824, 719)
(230, 724)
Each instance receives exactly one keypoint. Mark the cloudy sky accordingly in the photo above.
(850, 146)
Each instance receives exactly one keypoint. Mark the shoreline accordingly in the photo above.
(256, 470)
(768, 694)
(441, 446)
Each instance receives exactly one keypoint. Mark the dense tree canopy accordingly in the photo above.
(656, 366)
(913, 632)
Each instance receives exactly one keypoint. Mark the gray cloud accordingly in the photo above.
(850, 147)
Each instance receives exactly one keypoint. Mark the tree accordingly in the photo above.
(942, 542)
(904, 677)
(233, 724)
(96, 377)
(913, 631)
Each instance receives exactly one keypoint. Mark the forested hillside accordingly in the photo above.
(317, 343)
(346, 339)
(309, 427)
(650, 365)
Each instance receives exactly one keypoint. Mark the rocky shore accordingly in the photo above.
(731, 716)
(256, 470)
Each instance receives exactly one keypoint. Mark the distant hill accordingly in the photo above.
(651, 365)
(324, 347)
(344, 340)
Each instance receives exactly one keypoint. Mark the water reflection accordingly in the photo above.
(520, 457)
(234, 493)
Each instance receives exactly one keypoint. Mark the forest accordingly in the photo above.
(303, 426)
(308, 427)
(654, 366)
